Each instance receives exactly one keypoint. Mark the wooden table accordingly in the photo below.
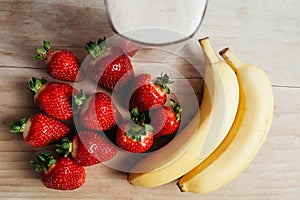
(264, 33)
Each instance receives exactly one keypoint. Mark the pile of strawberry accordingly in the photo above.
(59, 102)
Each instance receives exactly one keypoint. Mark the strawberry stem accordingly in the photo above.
(96, 49)
(137, 117)
(43, 162)
(163, 82)
(35, 84)
(18, 126)
(136, 131)
(47, 46)
(64, 147)
(42, 52)
(176, 108)
(79, 101)
(138, 128)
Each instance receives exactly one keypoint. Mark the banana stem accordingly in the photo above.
(230, 58)
(208, 50)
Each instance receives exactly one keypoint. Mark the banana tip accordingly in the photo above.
(224, 50)
(180, 186)
(205, 38)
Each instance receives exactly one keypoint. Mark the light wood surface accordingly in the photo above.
(264, 33)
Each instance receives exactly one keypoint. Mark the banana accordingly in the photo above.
(182, 154)
(249, 130)
(230, 103)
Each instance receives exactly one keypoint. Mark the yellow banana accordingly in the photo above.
(183, 153)
(250, 128)
(227, 108)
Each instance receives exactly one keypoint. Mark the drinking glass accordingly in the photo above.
(157, 37)
(156, 22)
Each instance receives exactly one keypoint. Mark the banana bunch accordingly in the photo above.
(189, 148)
(224, 136)
(246, 136)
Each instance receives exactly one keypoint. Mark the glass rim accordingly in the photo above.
(108, 14)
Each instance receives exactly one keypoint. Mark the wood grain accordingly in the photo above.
(265, 33)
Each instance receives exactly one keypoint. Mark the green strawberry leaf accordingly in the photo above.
(163, 82)
(64, 147)
(43, 162)
(176, 108)
(96, 49)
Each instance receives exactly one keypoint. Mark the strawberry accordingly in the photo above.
(61, 64)
(40, 130)
(135, 136)
(87, 148)
(54, 98)
(98, 112)
(166, 119)
(149, 93)
(129, 47)
(111, 67)
(60, 174)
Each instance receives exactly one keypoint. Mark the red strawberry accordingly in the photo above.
(149, 93)
(54, 98)
(166, 120)
(87, 148)
(111, 67)
(40, 130)
(135, 136)
(129, 47)
(61, 64)
(99, 112)
(60, 174)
